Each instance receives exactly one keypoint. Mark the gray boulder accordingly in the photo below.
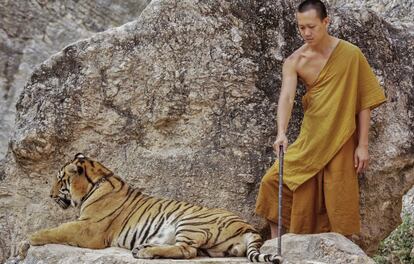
(31, 31)
(408, 204)
(182, 102)
(398, 12)
(329, 248)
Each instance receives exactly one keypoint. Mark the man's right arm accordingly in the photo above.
(286, 99)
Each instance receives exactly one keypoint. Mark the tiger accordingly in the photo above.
(114, 214)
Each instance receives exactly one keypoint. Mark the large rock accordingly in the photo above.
(31, 31)
(398, 12)
(182, 102)
(328, 248)
(408, 204)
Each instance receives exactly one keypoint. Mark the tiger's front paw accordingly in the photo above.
(142, 252)
(23, 249)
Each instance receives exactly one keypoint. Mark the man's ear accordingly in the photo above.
(326, 21)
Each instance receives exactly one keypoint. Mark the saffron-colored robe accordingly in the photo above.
(345, 86)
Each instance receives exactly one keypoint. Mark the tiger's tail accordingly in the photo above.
(253, 243)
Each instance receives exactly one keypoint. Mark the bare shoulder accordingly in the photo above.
(292, 61)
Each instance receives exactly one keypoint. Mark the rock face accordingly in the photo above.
(329, 248)
(398, 12)
(31, 31)
(182, 102)
(408, 204)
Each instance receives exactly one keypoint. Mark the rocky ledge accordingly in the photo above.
(329, 248)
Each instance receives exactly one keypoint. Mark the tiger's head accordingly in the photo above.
(76, 179)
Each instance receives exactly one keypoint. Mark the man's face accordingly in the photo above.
(311, 27)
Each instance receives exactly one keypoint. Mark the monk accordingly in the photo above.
(320, 187)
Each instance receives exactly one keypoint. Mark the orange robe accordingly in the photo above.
(318, 167)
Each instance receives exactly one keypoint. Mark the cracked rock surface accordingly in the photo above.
(181, 102)
(32, 30)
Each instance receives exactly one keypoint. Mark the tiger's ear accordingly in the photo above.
(80, 156)
(72, 168)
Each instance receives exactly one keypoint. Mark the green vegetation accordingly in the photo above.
(396, 248)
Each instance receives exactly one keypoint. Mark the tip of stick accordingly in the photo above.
(277, 260)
